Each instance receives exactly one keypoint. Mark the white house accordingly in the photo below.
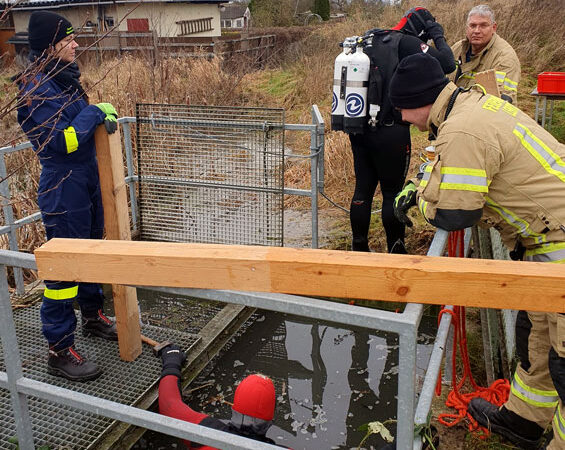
(235, 16)
(167, 19)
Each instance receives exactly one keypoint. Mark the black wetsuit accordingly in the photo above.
(382, 155)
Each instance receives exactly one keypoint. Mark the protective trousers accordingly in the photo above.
(538, 387)
(71, 207)
(380, 156)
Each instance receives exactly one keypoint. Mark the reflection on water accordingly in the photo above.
(329, 380)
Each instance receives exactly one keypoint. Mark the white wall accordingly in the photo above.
(76, 15)
(162, 16)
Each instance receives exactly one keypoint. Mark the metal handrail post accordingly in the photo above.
(125, 122)
(320, 142)
(14, 366)
(314, 180)
(406, 388)
(9, 217)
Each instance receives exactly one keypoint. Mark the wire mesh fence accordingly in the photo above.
(210, 174)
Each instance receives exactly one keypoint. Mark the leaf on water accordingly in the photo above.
(379, 428)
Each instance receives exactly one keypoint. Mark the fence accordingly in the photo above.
(116, 43)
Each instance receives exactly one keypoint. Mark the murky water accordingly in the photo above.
(329, 379)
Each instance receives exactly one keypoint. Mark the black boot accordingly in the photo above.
(99, 325)
(68, 363)
(521, 432)
(360, 245)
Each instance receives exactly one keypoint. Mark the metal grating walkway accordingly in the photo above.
(210, 174)
(125, 382)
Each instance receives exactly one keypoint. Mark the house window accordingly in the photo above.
(195, 26)
(227, 23)
(138, 25)
(109, 21)
(239, 23)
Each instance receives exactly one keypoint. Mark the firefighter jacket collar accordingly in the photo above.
(437, 113)
(467, 44)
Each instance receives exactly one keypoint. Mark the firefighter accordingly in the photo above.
(381, 154)
(253, 405)
(54, 113)
(483, 49)
(497, 166)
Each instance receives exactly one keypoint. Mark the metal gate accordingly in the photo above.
(210, 174)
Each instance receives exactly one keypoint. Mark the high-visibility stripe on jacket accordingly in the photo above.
(497, 55)
(494, 163)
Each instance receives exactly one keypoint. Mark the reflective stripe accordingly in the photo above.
(422, 206)
(552, 252)
(513, 220)
(61, 294)
(500, 76)
(550, 161)
(510, 85)
(532, 396)
(71, 140)
(559, 423)
(468, 75)
(463, 179)
(426, 176)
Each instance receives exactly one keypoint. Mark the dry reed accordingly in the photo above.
(300, 75)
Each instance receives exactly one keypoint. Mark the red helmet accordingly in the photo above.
(414, 22)
(255, 397)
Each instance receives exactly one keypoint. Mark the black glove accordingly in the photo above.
(111, 118)
(173, 358)
(434, 30)
(111, 124)
(403, 202)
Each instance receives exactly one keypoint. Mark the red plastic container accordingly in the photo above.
(551, 83)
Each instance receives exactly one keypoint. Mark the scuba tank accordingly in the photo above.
(340, 82)
(358, 66)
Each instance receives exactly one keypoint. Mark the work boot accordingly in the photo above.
(521, 432)
(68, 363)
(99, 325)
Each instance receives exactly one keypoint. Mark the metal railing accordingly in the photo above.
(411, 410)
(404, 324)
(316, 156)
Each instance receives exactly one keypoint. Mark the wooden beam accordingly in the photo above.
(116, 224)
(374, 276)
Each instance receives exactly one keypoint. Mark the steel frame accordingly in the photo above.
(405, 324)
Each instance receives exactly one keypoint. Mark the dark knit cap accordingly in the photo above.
(46, 28)
(417, 81)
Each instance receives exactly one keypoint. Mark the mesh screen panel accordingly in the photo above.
(210, 174)
(124, 382)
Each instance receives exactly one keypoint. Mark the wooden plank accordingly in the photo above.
(373, 276)
(487, 79)
(116, 224)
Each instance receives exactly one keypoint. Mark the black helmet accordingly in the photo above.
(414, 22)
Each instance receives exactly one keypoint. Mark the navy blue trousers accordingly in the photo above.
(71, 207)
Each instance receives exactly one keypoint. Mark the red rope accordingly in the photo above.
(497, 393)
